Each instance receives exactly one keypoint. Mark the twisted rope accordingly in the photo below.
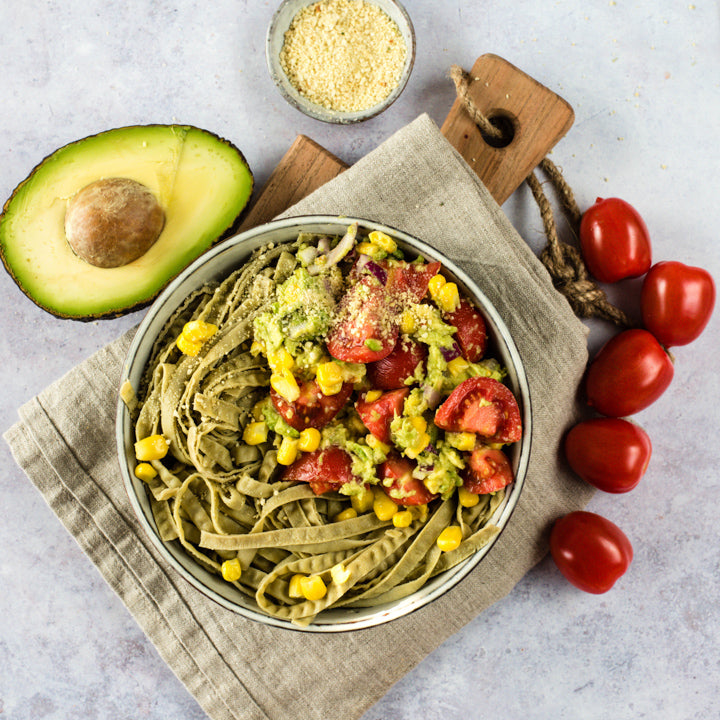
(563, 261)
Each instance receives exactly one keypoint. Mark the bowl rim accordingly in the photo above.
(338, 117)
(141, 346)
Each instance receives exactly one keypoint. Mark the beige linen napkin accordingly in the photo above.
(242, 670)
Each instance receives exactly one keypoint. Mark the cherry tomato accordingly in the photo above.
(484, 406)
(392, 371)
(471, 333)
(609, 453)
(324, 470)
(313, 408)
(631, 371)
(408, 282)
(615, 241)
(367, 326)
(677, 301)
(487, 470)
(404, 488)
(590, 551)
(378, 414)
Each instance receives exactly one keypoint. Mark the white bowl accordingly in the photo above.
(276, 36)
(216, 264)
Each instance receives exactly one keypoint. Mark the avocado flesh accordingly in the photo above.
(202, 182)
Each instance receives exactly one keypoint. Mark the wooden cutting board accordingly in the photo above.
(536, 116)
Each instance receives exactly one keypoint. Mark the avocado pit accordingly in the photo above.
(113, 221)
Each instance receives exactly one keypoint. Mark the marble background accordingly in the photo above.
(643, 77)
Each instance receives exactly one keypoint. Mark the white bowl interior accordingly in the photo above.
(216, 264)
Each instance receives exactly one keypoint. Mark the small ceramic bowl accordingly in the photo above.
(280, 23)
(215, 265)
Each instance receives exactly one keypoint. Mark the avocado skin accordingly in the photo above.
(109, 313)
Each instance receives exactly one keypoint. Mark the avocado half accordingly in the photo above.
(201, 182)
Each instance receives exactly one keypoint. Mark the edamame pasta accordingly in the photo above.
(323, 428)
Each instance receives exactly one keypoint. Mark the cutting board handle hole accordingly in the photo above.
(505, 124)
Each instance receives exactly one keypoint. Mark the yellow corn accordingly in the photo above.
(346, 514)
(383, 241)
(466, 498)
(461, 440)
(313, 587)
(285, 385)
(373, 395)
(255, 433)
(457, 365)
(407, 323)
(256, 348)
(329, 377)
(448, 297)
(402, 519)
(288, 451)
(154, 447)
(339, 574)
(309, 440)
(294, 589)
(376, 444)
(435, 285)
(383, 506)
(145, 471)
(419, 423)
(368, 248)
(450, 538)
(231, 570)
(280, 360)
(188, 347)
(363, 501)
(199, 331)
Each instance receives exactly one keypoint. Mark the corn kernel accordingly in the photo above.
(383, 241)
(368, 248)
(294, 589)
(363, 501)
(402, 519)
(255, 433)
(329, 377)
(383, 506)
(448, 297)
(450, 538)
(466, 498)
(457, 365)
(407, 323)
(256, 348)
(346, 514)
(435, 284)
(377, 444)
(188, 347)
(419, 423)
(313, 587)
(285, 385)
(231, 570)
(199, 331)
(309, 440)
(153, 447)
(339, 574)
(461, 440)
(145, 471)
(280, 360)
(373, 395)
(288, 451)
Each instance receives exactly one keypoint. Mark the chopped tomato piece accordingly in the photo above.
(408, 282)
(487, 470)
(471, 332)
(324, 470)
(392, 371)
(378, 414)
(367, 326)
(313, 408)
(483, 406)
(404, 489)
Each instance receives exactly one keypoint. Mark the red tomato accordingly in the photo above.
(631, 371)
(471, 332)
(378, 414)
(484, 406)
(408, 282)
(405, 489)
(324, 470)
(313, 408)
(367, 326)
(610, 453)
(392, 371)
(487, 471)
(590, 551)
(677, 301)
(615, 241)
